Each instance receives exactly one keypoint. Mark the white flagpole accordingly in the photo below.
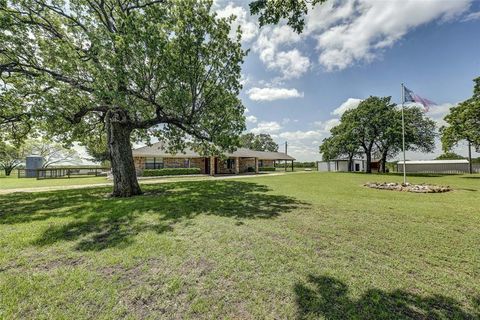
(403, 136)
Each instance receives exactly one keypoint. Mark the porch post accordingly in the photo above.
(237, 165)
(292, 165)
(256, 165)
(212, 166)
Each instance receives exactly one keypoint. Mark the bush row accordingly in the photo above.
(170, 172)
(266, 168)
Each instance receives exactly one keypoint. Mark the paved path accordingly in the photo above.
(142, 181)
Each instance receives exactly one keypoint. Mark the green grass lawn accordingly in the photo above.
(312, 245)
(13, 182)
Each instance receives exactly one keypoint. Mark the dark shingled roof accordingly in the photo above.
(157, 150)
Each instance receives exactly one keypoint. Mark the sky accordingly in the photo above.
(296, 86)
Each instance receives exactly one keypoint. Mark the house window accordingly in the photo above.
(260, 163)
(186, 163)
(230, 163)
(154, 163)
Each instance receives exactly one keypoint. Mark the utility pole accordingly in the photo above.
(403, 136)
(285, 161)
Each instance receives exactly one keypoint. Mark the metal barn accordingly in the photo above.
(434, 166)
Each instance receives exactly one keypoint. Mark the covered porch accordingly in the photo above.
(237, 165)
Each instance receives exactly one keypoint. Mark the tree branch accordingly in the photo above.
(17, 67)
(144, 5)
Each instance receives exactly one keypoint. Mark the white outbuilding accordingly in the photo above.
(434, 166)
(358, 165)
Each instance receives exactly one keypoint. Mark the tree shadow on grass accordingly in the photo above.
(100, 222)
(328, 298)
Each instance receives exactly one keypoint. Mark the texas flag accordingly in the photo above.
(410, 96)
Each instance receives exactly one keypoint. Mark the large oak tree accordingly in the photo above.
(376, 126)
(126, 69)
(463, 123)
(367, 122)
(420, 133)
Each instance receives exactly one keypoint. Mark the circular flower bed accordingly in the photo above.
(418, 188)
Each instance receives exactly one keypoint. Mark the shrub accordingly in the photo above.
(250, 169)
(170, 172)
(266, 168)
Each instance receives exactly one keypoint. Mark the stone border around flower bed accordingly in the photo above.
(417, 188)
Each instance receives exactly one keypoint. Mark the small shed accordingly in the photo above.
(434, 166)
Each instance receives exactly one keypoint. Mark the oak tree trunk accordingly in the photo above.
(368, 168)
(125, 182)
(350, 163)
(8, 171)
(384, 162)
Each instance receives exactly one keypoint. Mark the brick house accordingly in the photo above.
(239, 161)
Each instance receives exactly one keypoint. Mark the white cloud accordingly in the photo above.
(270, 94)
(438, 112)
(350, 103)
(291, 63)
(353, 31)
(346, 31)
(303, 145)
(326, 126)
(251, 118)
(301, 135)
(242, 19)
(267, 127)
(471, 16)
(329, 124)
(271, 38)
(324, 16)
(303, 151)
